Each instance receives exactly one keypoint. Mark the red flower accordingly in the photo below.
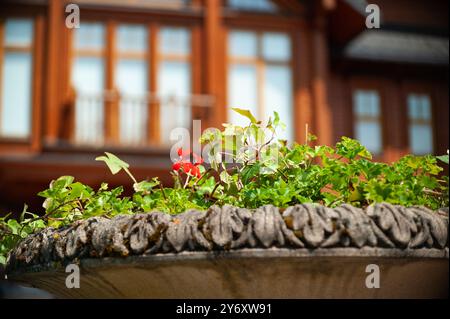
(182, 153)
(185, 164)
(176, 166)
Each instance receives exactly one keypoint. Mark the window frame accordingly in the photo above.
(153, 58)
(410, 121)
(298, 30)
(260, 63)
(94, 53)
(4, 49)
(369, 86)
(162, 57)
(131, 56)
(33, 142)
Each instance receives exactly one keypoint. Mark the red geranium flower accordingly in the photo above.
(185, 164)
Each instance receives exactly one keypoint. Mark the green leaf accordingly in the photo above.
(276, 118)
(145, 186)
(246, 113)
(277, 122)
(114, 163)
(61, 182)
(14, 226)
(78, 191)
(443, 158)
(328, 198)
(311, 137)
(351, 148)
(250, 172)
(355, 195)
(225, 177)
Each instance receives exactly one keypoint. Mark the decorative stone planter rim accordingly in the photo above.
(305, 230)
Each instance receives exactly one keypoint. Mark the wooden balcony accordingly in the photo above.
(130, 120)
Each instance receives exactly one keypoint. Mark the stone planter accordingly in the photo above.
(304, 251)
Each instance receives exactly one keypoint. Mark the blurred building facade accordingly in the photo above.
(135, 69)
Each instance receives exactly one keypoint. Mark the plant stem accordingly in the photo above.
(205, 174)
(214, 189)
(429, 191)
(131, 175)
(162, 191)
(187, 181)
(48, 214)
(284, 175)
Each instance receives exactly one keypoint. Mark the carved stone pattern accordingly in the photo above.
(225, 228)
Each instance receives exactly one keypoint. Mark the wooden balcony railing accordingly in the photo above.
(110, 118)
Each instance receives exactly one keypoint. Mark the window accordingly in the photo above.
(88, 80)
(259, 77)
(132, 82)
(367, 114)
(252, 5)
(420, 127)
(131, 75)
(16, 78)
(174, 79)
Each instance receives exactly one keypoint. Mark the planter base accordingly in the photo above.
(253, 273)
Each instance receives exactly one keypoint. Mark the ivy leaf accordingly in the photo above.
(61, 182)
(246, 113)
(225, 177)
(249, 172)
(276, 118)
(14, 226)
(328, 198)
(443, 158)
(311, 138)
(355, 195)
(277, 122)
(114, 163)
(78, 191)
(145, 186)
(351, 148)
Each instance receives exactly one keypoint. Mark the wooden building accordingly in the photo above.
(137, 68)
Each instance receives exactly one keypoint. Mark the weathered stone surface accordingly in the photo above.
(225, 226)
(184, 231)
(228, 228)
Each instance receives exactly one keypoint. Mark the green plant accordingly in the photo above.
(248, 167)
(268, 171)
(12, 230)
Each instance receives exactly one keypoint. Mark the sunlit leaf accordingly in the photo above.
(114, 163)
(245, 113)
